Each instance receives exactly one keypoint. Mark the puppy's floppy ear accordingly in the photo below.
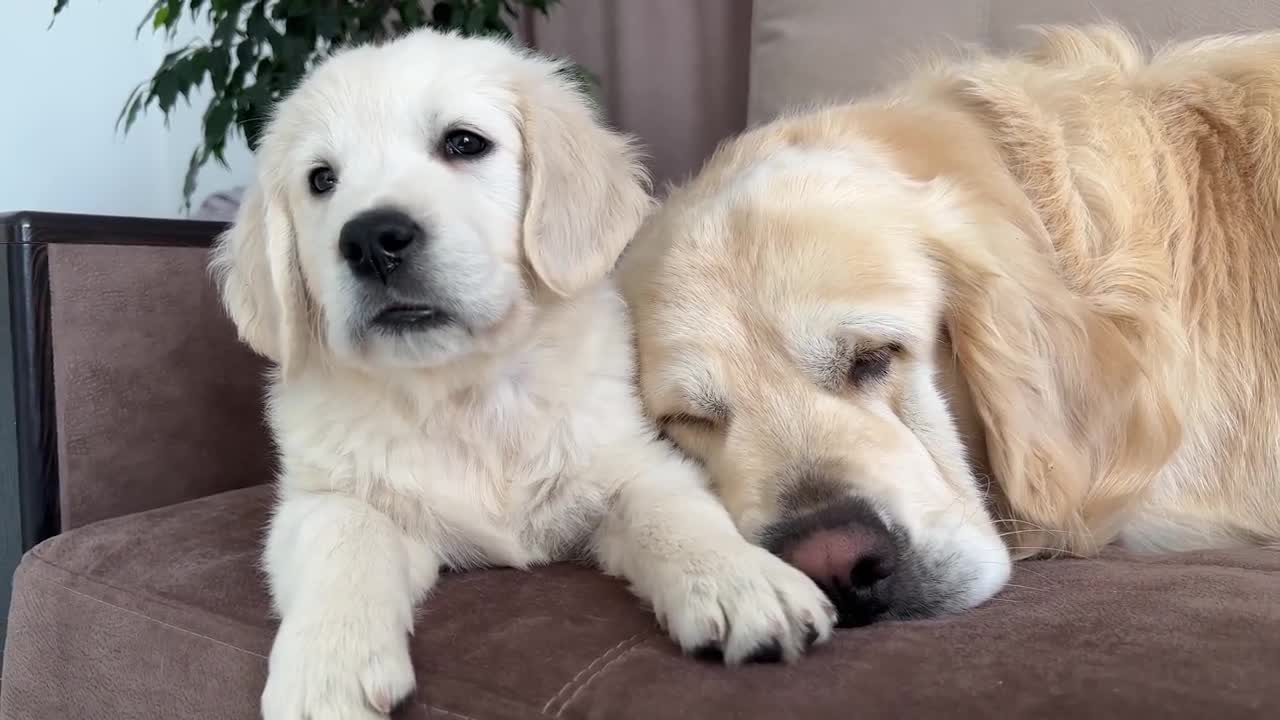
(586, 192)
(255, 266)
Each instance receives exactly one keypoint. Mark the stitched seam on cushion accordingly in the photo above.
(180, 607)
(595, 675)
(589, 666)
(450, 713)
(157, 621)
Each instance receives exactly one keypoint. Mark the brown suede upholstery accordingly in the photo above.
(163, 615)
(157, 402)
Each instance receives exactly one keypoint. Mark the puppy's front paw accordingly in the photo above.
(744, 606)
(336, 671)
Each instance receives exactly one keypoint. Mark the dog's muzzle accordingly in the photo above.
(847, 550)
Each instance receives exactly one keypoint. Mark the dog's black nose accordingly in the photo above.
(848, 551)
(375, 242)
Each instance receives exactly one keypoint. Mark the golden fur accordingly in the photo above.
(1092, 234)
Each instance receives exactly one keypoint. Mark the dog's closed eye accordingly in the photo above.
(687, 420)
(872, 364)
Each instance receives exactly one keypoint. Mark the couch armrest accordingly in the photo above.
(128, 385)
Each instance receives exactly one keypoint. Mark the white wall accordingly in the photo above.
(61, 89)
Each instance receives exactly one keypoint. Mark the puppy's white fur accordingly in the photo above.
(510, 437)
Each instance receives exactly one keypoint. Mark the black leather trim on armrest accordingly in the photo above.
(43, 227)
(28, 448)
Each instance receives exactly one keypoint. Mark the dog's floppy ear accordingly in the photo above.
(586, 192)
(1075, 424)
(255, 266)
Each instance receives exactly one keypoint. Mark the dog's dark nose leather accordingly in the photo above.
(849, 552)
(375, 242)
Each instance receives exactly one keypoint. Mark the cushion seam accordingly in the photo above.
(597, 674)
(451, 713)
(570, 684)
(168, 604)
(157, 621)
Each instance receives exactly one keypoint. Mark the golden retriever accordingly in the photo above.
(425, 256)
(1033, 297)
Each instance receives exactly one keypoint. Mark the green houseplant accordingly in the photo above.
(257, 50)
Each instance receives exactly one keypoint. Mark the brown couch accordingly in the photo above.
(145, 453)
(137, 466)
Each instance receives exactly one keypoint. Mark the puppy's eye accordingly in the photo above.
(322, 180)
(464, 144)
(873, 364)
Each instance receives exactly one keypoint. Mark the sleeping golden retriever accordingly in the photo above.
(1026, 298)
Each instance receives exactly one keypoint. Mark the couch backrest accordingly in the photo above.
(805, 51)
(133, 391)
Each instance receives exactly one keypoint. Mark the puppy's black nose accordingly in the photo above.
(375, 242)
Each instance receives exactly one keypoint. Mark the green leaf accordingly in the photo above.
(190, 71)
(328, 23)
(160, 17)
(217, 120)
(252, 109)
(224, 31)
(170, 59)
(173, 14)
(219, 63)
(132, 106)
(411, 13)
(258, 26)
(246, 51)
(475, 21)
(151, 12)
(164, 88)
(198, 159)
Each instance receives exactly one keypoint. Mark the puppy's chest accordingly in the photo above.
(498, 478)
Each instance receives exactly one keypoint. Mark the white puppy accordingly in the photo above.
(424, 256)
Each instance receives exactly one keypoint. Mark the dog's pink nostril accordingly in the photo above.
(843, 558)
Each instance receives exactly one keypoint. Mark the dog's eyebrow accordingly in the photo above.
(691, 385)
(707, 402)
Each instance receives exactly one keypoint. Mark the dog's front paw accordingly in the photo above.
(744, 606)
(335, 671)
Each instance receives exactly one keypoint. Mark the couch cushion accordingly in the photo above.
(163, 614)
(805, 51)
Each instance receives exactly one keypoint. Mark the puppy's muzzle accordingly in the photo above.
(376, 242)
(846, 549)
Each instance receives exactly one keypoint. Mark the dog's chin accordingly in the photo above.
(426, 337)
(397, 320)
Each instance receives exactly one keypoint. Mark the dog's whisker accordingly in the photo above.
(1031, 531)
(1026, 587)
(1059, 551)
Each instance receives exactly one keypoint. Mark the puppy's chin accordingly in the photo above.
(412, 337)
(423, 345)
